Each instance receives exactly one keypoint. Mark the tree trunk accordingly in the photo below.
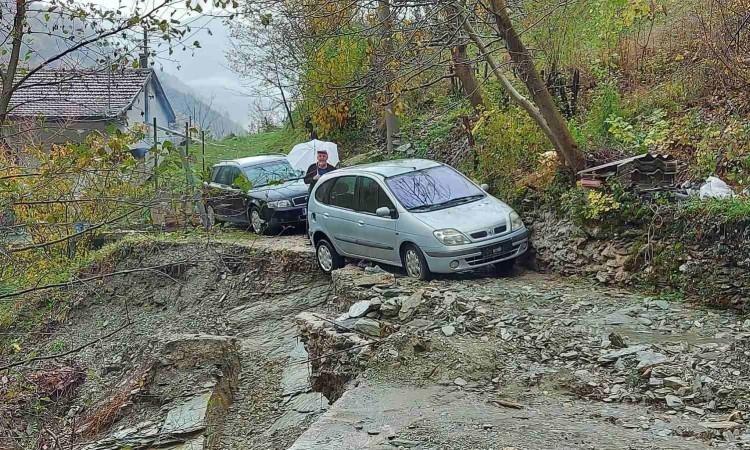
(10, 73)
(465, 72)
(524, 64)
(515, 96)
(462, 66)
(386, 30)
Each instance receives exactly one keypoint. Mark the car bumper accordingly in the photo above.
(286, 216)
(480, 254)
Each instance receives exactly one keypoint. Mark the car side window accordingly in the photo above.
(235, 177)
(216, 175)
(342, 192)
(371, 196)
(321, 194)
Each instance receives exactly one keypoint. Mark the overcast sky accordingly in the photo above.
(206, 69)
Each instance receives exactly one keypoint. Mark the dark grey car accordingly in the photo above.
(262, 191)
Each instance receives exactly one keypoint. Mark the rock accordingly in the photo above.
(390, 308)
(374, 269)
(360, 308)
(448, 330)
(674, 382)
(617, 354)
(367, 326)
(569, 355)
(662, 304)
(403, 148)
(616, 341)
(725, 425)
(373, 431)
(460, 382)
(409, 305)
(655, 382)
(698, 411)
(648, 358)
(618, 318)
(370, 280)
(674, 402)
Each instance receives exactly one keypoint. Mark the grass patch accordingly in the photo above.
(729, 209)
(280, 140)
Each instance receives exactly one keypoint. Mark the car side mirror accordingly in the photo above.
(384, 211)
(485, 187)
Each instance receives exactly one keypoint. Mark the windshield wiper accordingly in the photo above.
(447, 204)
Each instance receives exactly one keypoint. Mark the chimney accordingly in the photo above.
(143, 57)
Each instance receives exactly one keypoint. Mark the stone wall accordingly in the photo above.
(705, 260)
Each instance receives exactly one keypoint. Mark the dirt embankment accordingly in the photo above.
(199, 351)
(223, 346)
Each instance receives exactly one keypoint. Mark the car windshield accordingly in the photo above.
(270, 173)
(433, 188)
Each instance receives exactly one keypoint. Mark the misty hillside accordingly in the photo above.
(187, 103)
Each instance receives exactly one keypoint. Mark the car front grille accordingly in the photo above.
(500, 229)
(299, 200)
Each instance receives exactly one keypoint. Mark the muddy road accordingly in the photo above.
(285, 361)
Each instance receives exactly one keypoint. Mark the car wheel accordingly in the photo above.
(327, 256)
(505, 268)
(415, 264)
(257, 223)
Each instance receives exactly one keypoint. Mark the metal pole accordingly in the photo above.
(203, 149)
(156, 159)
(187, 139)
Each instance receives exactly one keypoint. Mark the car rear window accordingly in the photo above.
(342, 193)
(321, 194)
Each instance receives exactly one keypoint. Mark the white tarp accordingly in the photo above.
(715, 188)
(304, 154)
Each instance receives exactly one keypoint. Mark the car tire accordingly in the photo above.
(327, 256)
(415, 263)
(505, 268)
(257, 224)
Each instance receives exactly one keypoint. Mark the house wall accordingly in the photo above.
(146, 100)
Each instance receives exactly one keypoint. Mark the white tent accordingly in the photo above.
(304, 154)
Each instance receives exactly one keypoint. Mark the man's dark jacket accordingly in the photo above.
(312, 171)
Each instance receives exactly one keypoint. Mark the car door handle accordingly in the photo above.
(361, 223)
(326, 215)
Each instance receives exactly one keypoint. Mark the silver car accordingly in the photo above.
(417, 214)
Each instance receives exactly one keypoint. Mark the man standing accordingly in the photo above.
(318, 169)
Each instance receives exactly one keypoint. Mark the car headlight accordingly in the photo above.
(515, 221)
(279, 204)
(449, 236)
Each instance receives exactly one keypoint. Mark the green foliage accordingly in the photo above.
(612, 207)
(429, 130)
(510, 146)
(733, 209)
(605, 105)
(333, 64)
(652, 131)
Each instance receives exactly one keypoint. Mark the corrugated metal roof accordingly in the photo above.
(70, 94)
